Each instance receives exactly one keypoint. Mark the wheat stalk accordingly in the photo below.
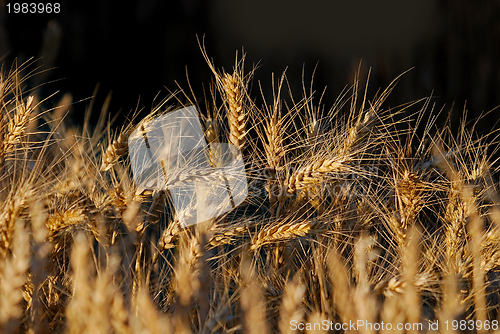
(12, 278)
(291, 305)
(10, 213)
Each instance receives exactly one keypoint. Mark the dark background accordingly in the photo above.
(137, 48)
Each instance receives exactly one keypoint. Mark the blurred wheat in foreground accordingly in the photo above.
(355, 213)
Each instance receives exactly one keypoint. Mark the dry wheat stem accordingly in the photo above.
(12, 279)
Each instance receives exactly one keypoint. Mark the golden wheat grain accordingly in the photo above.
(115, 150)
(313, 172)
(233, 86)
(405, 201)
(273, 145)
(12, 207)
(275, 153)
(227, 236)
(62, 220)
(103, 295)
(283, 232)
(169, 236)
(272, 136)
(359, 130)
(17, 124)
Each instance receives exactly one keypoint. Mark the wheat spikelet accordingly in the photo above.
(359, 130)
(187, 280)
(169, 235)
(211, 131)
(103, 296)
(275, 154)
(455, 236)
(10, 213)
(228, 236)
(234, 89)
(313, 172)
(272, 137)
(274, 144)
(405, 202)
(62, 220)
(409, 193)
(17, 124)
(283, 232)
(115, 150)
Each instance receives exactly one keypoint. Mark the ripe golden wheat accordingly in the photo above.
(354, 213)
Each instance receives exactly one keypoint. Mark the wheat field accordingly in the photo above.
(355, 214)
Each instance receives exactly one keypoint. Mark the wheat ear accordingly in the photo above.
(234, 89)
(115, 150)
(16, 126)
(8, 216)
(313, 172)
(283, 232)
